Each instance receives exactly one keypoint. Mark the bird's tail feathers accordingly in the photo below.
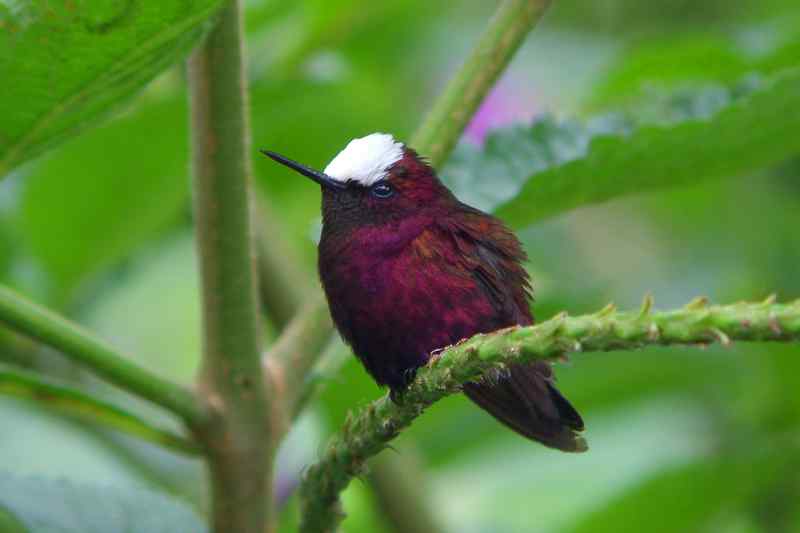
(524, 398)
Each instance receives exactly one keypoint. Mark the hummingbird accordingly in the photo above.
(408, 269)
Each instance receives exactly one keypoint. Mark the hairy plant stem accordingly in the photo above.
(466, 90)
(80, 405)
(368, 432)
(237, 436)
(95, 355)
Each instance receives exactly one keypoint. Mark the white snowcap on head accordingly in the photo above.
(365, 160)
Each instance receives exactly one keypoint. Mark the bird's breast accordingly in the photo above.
(395, 308)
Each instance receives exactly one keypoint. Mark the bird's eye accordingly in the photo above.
(382, 190)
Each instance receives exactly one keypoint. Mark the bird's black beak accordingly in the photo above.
(320, 177)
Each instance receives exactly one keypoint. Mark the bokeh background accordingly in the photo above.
(681, 439)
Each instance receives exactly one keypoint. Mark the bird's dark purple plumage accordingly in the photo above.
(417, 271)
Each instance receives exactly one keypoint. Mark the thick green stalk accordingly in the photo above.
(368, 432)
(83, 348)
(75, 403)
(466, 90)
(237, 438)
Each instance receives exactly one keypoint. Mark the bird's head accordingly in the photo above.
(373, 180)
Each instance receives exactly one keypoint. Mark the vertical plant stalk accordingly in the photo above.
(231, 383)
(466, 90)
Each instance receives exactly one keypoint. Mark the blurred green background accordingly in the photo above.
(681, 439)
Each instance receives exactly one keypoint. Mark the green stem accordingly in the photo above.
(231, 382)
(80, 405)
(368, 432)
(92, 353)
(455, 107)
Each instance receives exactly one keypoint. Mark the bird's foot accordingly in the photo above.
(435, 355)
(396, 395)
(408, 376)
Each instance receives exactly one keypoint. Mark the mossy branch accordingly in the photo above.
(367, 432)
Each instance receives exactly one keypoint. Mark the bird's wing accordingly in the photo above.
(523, 397)
(493, 255)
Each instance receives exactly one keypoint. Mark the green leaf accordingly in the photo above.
(71, 62)
(680, 59)
(487, 177)
(48, 506)
(526, 174)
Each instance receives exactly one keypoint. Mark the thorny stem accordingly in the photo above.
(466, 90)
(91, 353)
(231, 383)
(368, 432)
(80, 405)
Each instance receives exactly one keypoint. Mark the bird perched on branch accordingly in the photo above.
(409, 269)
